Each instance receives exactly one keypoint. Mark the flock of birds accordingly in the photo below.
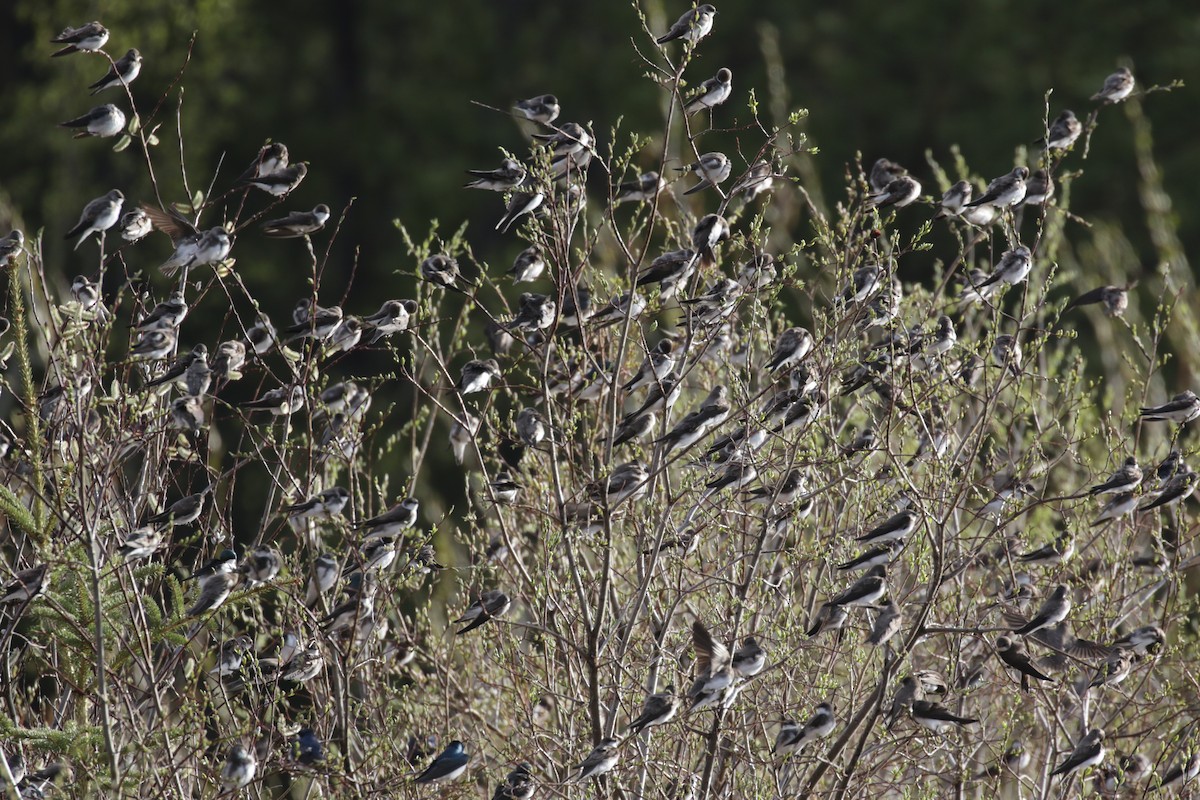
(796, 381)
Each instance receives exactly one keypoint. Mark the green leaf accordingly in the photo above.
(122, 143)
(16, 512)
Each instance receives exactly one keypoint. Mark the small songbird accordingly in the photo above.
(1006, 352)
(749, 659)
(216, 586)
(793, 738)
(450, 764)
(535, 312)
(1125, 479)
(658, 709)
(393, 316)
(525, 200)
(937, 718)
(10, 245)
(490, 605)
(517, 785)
(671, 271)
(544, 108)
(85, 39)
(1051, 554)
(307, 747)
(102, 121)
(758, 179)
(887, 624)
(1063, 132)
(297, 223)
(711, 230)
(1175, 490)
(478, 376)
(641, 190)
(532, 426)
(1012, 652)
(271, 157)
(262, 335)
(1013, 268)
(166, 315)
(324, 505)
(392, 522)
(790, 348)
(281, 402)
(1116, 87)
(955, 198)
(1114, 298)
(193, 248)
(1039, 188)
(692, 26)
(1005, 191)
(895, 528)
(98, 216)
(462, 433)
(507, 177)
(1181, 409)
(1119, 506)
(280, 182)
(601, 760)
(866, 591)
(829, 618)
(899, 193)
(153, 345)
(1146, 640)
(634, 428)
(1180, 774)
(239, 768)
(712, 93)
(231, 654)
(882, 173)
(122, 73)
(135, 225)
(141, 543)
(1115, 669)
(712, 169)
(528, 265)
(26, 584)
(1052, 612)
(1088, 753)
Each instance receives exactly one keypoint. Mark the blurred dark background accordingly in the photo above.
(378, 96)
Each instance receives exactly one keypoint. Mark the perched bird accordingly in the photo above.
(1015, 760)
(601, 760)
(528, 265)
(712, 93)
(26, 584)
(671, 271)
(392, 522)
(711, 230)
(141, 543)
(1063, 132)
(271, 157)
(887, 624)
(1012, 652)
(899, 193)
(1004, 192)
(1181, 409)
(392, 317)
(166, 316)
(1013, 268)
(937, 718)
(122, 73)
(866, 591)
(882, 173)
(153, 345)
(692, 26)
(450, 764)
(1052, 612)
(634, 428)
(883, 554)
(216, 586)
(532, 426)
(135, 225)
(462, 433)
(641, 190)
(517, 785)
(85, 39)
(714, 669)
(323, 505)
(897, 527)
(1120, 505)
(955, 198)
(262, 335)
(478, 376)
(297, 223)
(1146, 640)
(525, 200)
(507, 177)
(1115, 669)
(98, 216)
(103, 121)
(1125, 479)
(1181, 774)
(749, 659)
(543, 108)
(658, 709)
(829, 618)
(10, 245)
(760, 178)
(231, 654)
(1006, 352)
(193, 248)
(1088, 753)
(280, 181)
(535, 312)
(1116, 87)
(1051, 554)
(325, 572)
(490, 605)
(307, 747)
(239, 768)
(790, 348)
(793, 738)
(712, 169)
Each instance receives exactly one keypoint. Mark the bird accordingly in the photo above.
(602, 759)
(1127, 478)
(1180, 774)
(749, 659)
(271, 157)
(216, 586)
(1052, 612)
(462, 433)
(790, 348)
(153, 345)
(10, 245)
(899, 193)
(297, 223)
(135, 225)
(712, 93)
(102, 121)
(954, 199)
(793, 738)
(535, 312)
(508, 176)
(528, 265)
(714, 669)
(671, 271)
(634, 428)
(98, 216)
(524, 200)
(1114, 298)
(711, 230)
(1038, 188)
(280, 181)
(490, 605)
(887, 624)
(122, 72)
(1115, 669)
(392, 317)
(1013, 268)
(478, 375)
(450, 764)
(141, 543)
(323, 505)
(828, 618)
(1014, 760)
(1005, 191)
(883, 172)
(866, 591)
(1087, 753)
(167, 315)
(1006, 352)
(239, 768)
(1181, 409)
(392, 522)
(1117, 87)
(712, 169)
(307, 747)
(280, 402)
(895, 528)
(26, 585)
(936, 717)
(85, 39)
(532, 426)
(658, 709)
(1063, 132)
(1146, 640)
(1012, 652)
(1119, 506)
(544, 108)
(193, 248)
(760, 178)
(1056, 552)
(640, 190)
(692, 26)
